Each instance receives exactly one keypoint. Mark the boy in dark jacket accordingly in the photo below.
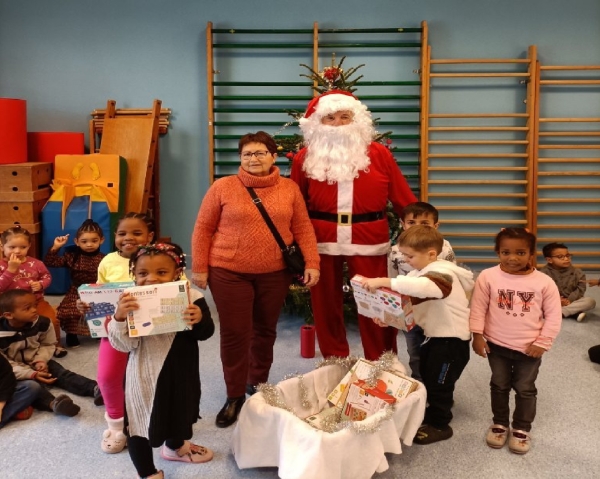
(28, 341)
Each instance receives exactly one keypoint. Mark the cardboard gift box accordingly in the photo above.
(102, 299)
(363, 401)
(161, 308)
(397, 383)
(389, 306)
(270, 436)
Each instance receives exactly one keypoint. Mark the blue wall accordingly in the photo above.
(67, 57)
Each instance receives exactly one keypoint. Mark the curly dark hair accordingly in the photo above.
(172, 250)
(516, 233)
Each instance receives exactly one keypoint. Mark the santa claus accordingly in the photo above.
(346, 179)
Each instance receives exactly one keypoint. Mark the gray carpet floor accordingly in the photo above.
(566, 432)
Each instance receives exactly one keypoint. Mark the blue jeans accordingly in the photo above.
(414, 338)
(26, 392)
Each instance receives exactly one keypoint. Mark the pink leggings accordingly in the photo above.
(111, 377)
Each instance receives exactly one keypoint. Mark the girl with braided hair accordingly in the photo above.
(162, 386)
(82, 260)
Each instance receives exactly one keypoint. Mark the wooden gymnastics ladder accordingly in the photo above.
(476, 166)
(236, 106)
(133, 134)
(567, 162)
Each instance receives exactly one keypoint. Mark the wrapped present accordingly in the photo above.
(272, 430)
(85, 186)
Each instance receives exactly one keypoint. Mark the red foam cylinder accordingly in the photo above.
(13, 130)
(307, 341)
(44, 146)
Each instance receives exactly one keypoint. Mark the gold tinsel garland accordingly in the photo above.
(333, 423)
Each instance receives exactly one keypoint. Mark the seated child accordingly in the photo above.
(438, 290)
(570, 281)
(417, 213)
(15, 397)
(28, 342)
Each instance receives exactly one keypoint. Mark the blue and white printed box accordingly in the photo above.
(102, 299)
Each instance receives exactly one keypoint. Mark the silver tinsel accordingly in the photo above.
(333, 423)
(384, 363)
(344, 363)
(273, 397)
(303, 389)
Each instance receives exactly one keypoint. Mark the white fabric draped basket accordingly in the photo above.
(270, 436)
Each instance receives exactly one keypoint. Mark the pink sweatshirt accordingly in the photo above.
(31, 269)
(515, 311)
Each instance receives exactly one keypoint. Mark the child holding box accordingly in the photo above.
(414, 214)
(437, 289)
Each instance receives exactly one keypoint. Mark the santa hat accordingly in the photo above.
(332, 101)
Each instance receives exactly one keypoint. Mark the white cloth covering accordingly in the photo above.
(267, 436)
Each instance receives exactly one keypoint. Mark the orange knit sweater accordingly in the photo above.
(230, 232)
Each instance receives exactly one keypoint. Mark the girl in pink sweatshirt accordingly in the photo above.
(515, 317)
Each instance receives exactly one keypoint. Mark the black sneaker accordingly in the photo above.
(72, 341)
(250, 389)
(428, 434)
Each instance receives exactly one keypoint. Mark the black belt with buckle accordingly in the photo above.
(346, 218)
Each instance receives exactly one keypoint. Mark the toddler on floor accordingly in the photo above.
(27, 340)
(515, 317)
(82, 260)
(571, 281)
(19, 271)
(162, 388)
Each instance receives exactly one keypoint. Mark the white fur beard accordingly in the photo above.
(337, 153)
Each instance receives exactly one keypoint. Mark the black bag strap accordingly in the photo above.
(256, 200)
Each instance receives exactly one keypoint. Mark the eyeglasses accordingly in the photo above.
(562, 256)
(260, 154)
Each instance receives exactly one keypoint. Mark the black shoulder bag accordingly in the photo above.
(291, 254)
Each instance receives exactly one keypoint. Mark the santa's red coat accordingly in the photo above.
(368, 193)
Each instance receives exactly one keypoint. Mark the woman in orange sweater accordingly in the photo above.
(235, 253)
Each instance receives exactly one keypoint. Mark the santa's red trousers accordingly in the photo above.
(327, 304)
